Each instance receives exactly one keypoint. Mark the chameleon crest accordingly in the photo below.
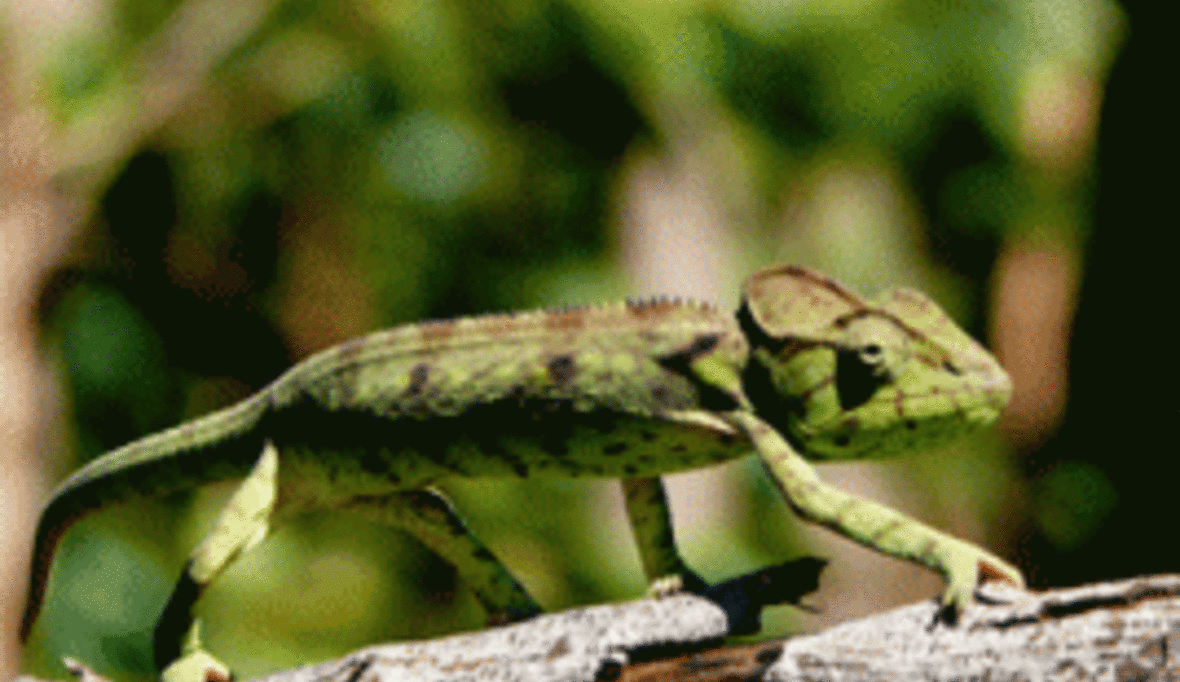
(846, 378)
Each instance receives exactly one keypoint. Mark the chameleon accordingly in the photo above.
(805, 370)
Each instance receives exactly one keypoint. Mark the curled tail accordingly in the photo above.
(219, 446)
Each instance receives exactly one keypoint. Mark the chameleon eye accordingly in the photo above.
(858, 377)
(871, 354)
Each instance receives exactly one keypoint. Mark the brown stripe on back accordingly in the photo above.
(436, 331)
(432, 337)
(566, 320)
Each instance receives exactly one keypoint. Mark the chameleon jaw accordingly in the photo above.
(899, 422)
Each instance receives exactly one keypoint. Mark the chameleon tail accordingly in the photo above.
(222, 445)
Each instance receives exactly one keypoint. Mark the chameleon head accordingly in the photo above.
(844, 378)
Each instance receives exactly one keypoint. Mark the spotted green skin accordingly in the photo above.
(805, 370)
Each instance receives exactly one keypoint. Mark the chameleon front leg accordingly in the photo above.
(961, 564)
(651, 522)
(428, 516)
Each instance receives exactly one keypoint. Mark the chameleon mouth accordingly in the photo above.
(979, 403)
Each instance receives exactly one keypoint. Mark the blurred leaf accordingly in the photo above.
(1072, 500)
(433, 158)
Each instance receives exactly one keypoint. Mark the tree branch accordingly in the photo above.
(1125, 630)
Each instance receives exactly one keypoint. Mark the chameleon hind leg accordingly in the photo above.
(651, 522)
(428, 516)
(243, 524)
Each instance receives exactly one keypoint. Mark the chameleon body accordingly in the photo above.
(806, 369)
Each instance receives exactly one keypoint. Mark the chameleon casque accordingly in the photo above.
(804, 370)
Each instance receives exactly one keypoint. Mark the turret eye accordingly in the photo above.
(858, 375)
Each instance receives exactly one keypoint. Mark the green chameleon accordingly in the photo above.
(804, 370)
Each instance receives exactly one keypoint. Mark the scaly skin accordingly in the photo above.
(806, 370)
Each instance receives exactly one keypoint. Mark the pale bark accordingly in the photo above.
(1125, 630)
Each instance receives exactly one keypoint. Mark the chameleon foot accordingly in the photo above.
(676, 583)
(964, 565)
(521, 609)
(195, 664)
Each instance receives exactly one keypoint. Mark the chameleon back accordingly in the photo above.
(595, 391)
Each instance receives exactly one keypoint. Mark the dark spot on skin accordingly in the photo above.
(561, 370)
(679, 447)
(911, 424)
(947, 366)
(615, 448)
(629, 470)
(647, 436)
(842, 440)
(418, 377)
(660, 395)
(726, 438)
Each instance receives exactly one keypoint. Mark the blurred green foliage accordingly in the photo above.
(358, 164)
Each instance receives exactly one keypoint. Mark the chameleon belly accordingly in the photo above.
(569, 444)
(497, 441)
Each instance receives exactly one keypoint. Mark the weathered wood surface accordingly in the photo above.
(1125, 630)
